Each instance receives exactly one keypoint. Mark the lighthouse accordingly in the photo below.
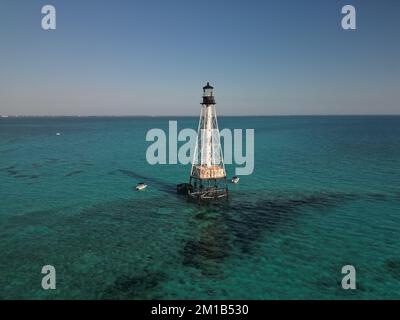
(207, 175)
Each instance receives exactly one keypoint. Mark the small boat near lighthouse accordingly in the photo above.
(141, 186)
(235, 180)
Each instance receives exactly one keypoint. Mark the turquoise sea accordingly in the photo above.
(325, 193)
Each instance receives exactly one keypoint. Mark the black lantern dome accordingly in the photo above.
(208, 98)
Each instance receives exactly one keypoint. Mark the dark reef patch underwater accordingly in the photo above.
(312, 205)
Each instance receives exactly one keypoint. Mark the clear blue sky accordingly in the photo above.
(153, 57)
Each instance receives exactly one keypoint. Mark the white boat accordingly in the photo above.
(141, 186)
(57, 134)
(235, 180)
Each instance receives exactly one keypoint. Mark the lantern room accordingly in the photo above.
(208, 98)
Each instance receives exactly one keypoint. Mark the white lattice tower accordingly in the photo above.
(208, 158)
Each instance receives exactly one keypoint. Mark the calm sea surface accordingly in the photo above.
(325, 193)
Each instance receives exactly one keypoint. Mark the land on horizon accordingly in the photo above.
(194, 115)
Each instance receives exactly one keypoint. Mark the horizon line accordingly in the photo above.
(4, 116)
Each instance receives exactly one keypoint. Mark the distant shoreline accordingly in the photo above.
(196, 116)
